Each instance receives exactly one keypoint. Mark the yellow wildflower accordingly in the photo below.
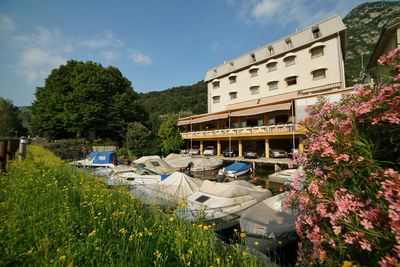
(130, 237)
(245, 253)
(256, 243)
(140, 234)
(92, 234)
(190, 251)
(62, 258)
(218, 260)
(242, 235)
(30, 251)
(157, 254)
(347, 264)
(171, 219)
(123, 231)
(205, 227)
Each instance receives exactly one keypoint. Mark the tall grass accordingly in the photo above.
(52, 214)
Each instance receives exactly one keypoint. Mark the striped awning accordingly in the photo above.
(261, 109)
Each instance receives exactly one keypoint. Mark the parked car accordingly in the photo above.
(209, 151)
(251, 154)
(232, 152)
(278, 153)
(194, 150)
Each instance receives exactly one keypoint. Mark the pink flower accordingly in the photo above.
(348, 239)
(365, 245)
(367, 224)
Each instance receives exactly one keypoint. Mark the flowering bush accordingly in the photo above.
(348, 193)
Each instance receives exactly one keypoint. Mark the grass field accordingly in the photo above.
(53, 214)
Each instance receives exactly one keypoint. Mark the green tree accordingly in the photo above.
(169, 135)
(84, 96)
(10, 122)
(140, 140)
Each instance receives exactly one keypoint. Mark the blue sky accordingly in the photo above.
(155, 44)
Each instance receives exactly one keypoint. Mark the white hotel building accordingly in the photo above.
(256, 100)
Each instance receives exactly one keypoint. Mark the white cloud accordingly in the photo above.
(105, 39)
(110, 55)
(140, 58)
(6, 25)
(283, 12)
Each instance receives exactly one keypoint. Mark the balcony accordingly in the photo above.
(248, 131)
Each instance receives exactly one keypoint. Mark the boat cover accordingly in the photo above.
(179, 185)
(102, 157)
(199, 163)
(269, 219)
(234, 189)
(237, 167)
(155, 164)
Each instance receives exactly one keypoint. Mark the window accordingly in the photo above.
(233, 95)
(316, 32)
(272, 66)
(289, 60)
(232, 79)
(273, 85)
(255, 90)
(319, 74)
(216, 99)
(271, 50)
(317, 51)
(292, 80)
(253, 57)
(289, 43)
(253, 72)
(215, 84)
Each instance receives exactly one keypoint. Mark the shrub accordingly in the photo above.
(348, 193)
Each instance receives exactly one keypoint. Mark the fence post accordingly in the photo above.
(3, 155)
(23, 141)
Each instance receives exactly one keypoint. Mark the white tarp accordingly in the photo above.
(156, 164)
(199, 163)
(179, 185)
(232, 189)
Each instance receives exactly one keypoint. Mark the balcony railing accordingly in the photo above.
(283, 128)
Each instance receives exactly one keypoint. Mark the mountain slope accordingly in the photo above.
(364, 24)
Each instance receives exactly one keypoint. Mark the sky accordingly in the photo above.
(156, 44)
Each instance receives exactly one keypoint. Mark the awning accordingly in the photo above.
(290, 54)
(254, 67)
(271, 61)
(209, 117)
(317, 44)
(319, 68)
(261, 110)
(232, 74)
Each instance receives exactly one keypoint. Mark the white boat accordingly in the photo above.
(98, 159)
(200, 164)
(235, 170)
(222, 203)
(282, 176)
(145, 170)
(170, 191)
(269, 224)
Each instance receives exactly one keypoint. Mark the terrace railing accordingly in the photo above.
(283, 128)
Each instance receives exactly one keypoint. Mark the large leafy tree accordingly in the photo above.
(82, 96)
(10, 122)
(171, 139)
(140, 140)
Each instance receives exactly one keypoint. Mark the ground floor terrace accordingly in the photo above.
(257, 129)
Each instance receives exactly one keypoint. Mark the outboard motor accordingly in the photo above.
(188, 167)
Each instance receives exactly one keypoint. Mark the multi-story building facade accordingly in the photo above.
(256, 100)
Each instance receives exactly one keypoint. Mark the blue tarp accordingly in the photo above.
(237, 167)
(102, 157)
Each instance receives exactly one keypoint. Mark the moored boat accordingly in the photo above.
(200, 164)
(222, 203)
(235, 169)
(269, 224)
(98, 159)
(282, 176)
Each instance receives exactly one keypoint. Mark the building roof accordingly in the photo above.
(328, 27)
(386, 34)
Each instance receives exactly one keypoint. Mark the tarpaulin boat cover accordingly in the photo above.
(269, 219)
(102, 157)
(179, 185)
(199, 163)
(237, 167)
(155, 164)
(234, 189)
